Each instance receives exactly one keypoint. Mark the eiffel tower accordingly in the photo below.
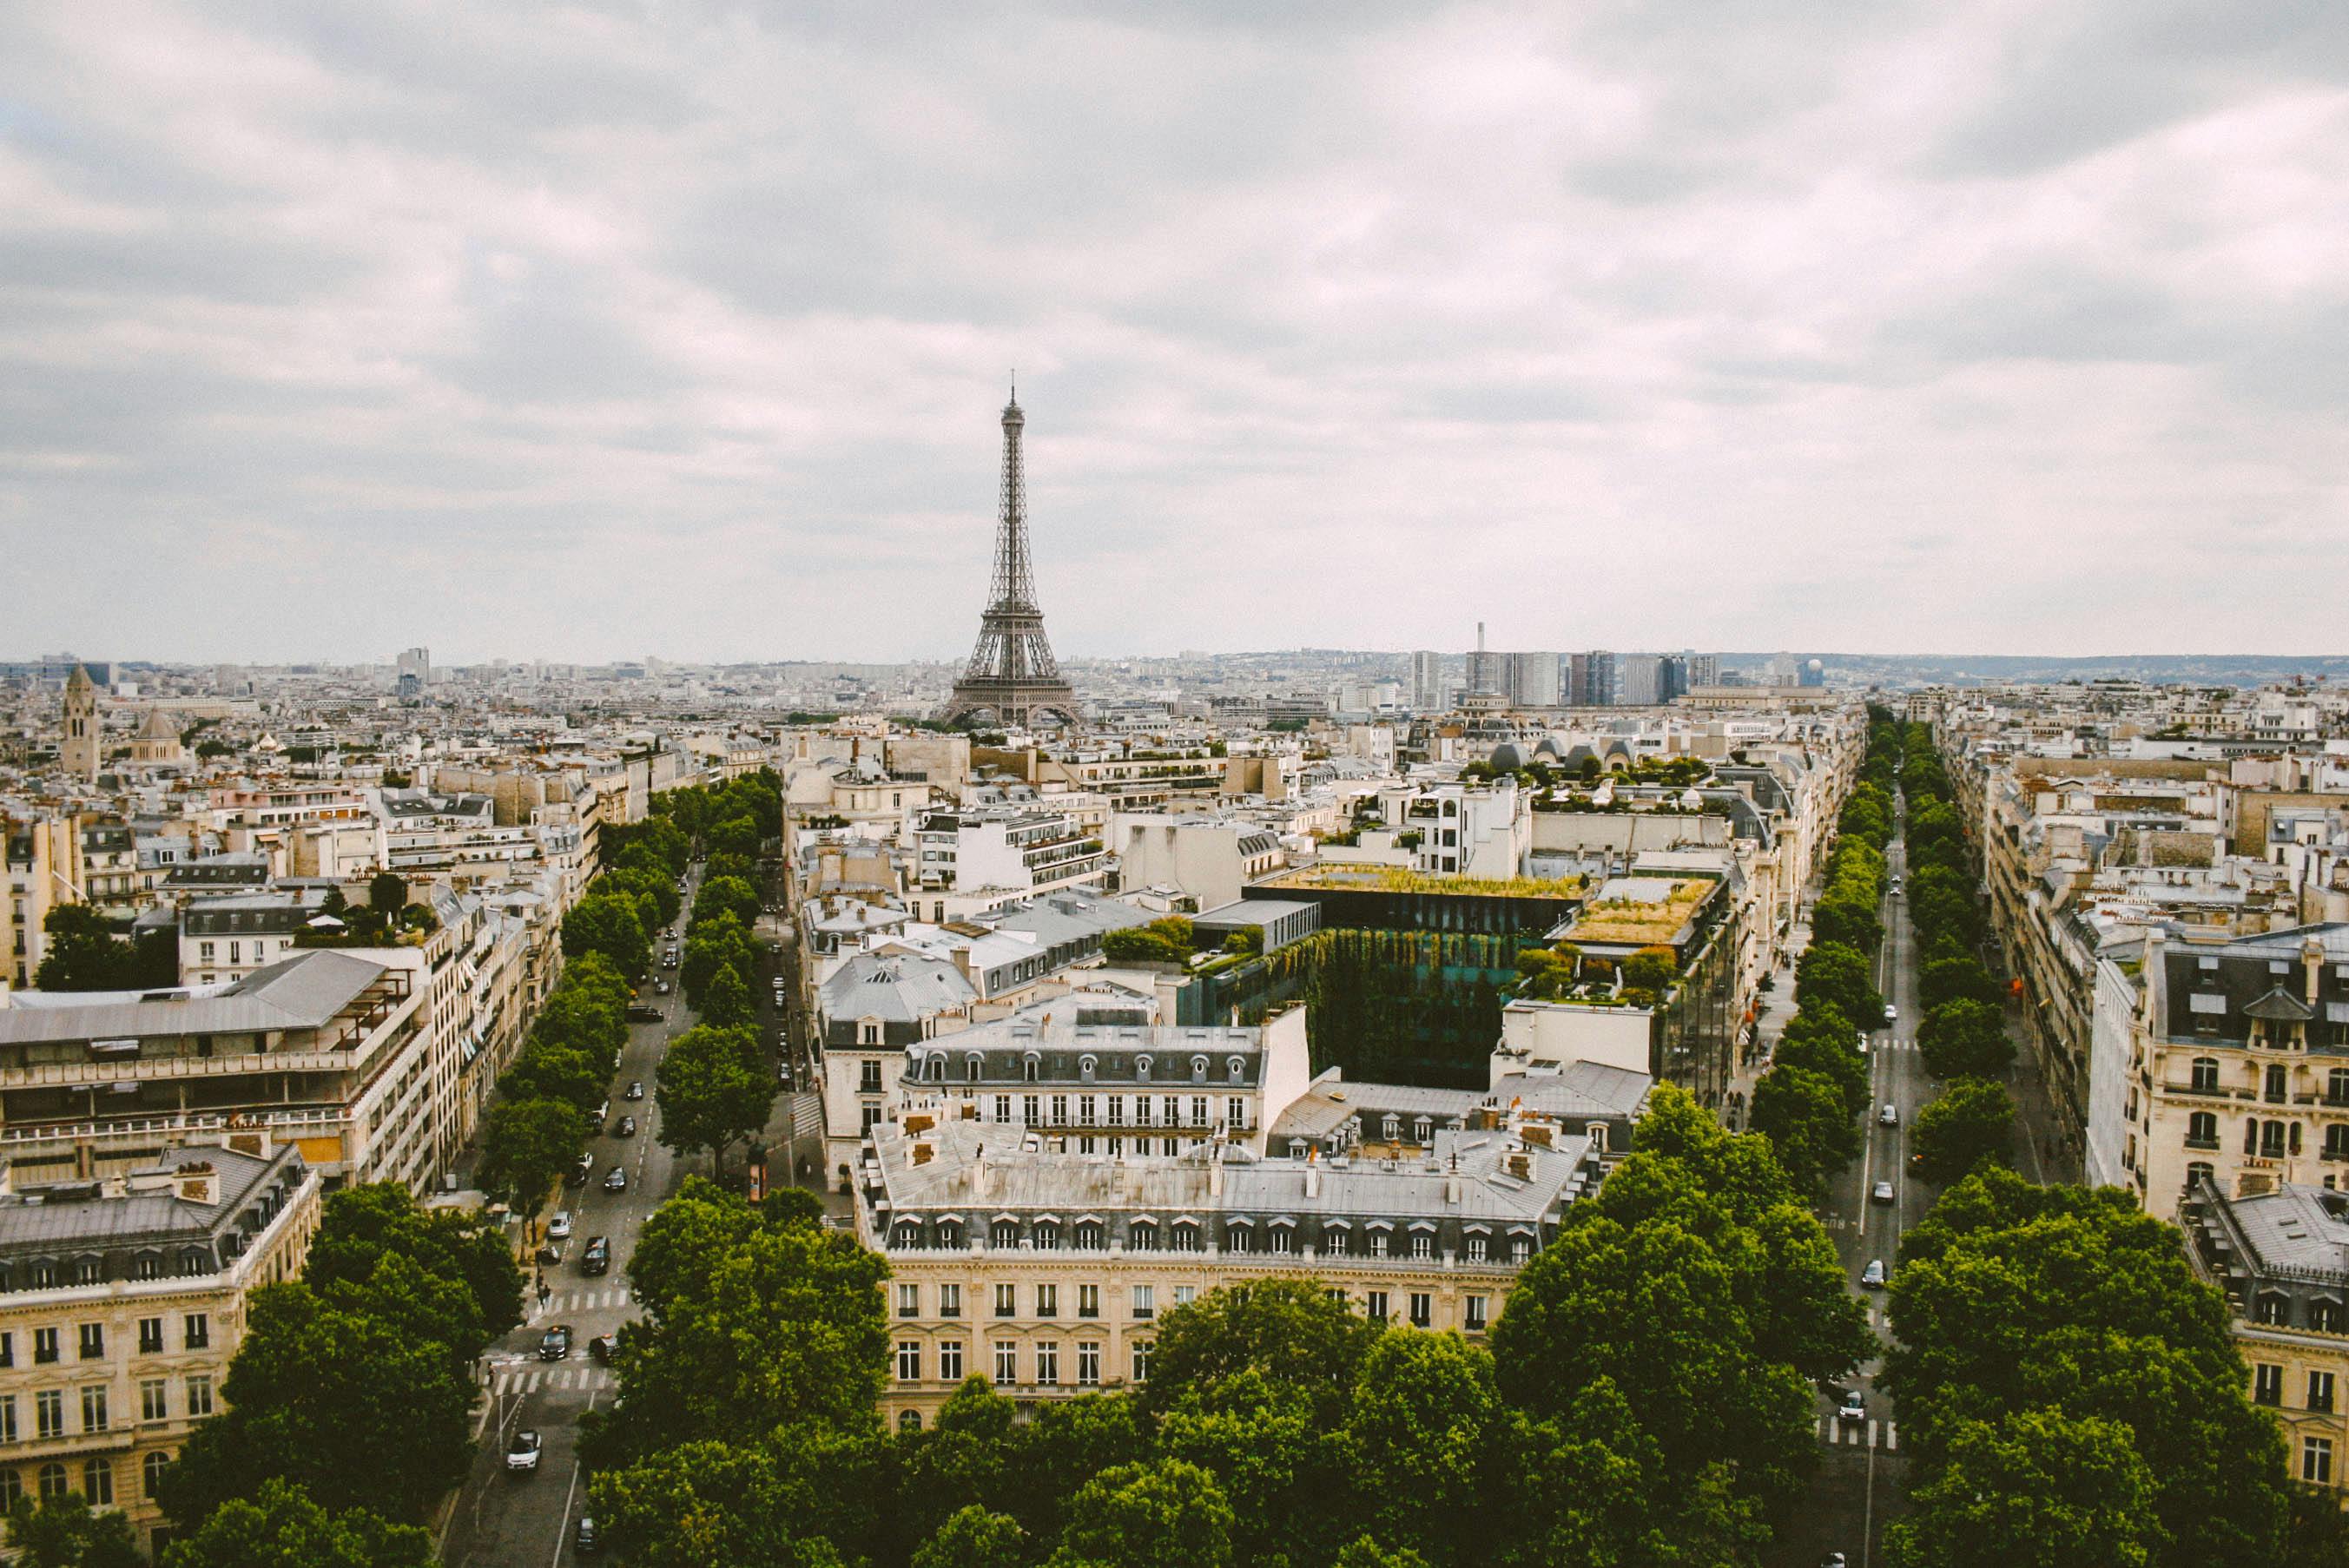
(1012, 673)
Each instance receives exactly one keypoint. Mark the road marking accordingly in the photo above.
(563, 1530)
(1891, 1439)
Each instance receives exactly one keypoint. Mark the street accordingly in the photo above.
(500, 1521)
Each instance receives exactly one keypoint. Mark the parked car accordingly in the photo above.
(554, 1345)
(585, 1538)
(636, 1089)
(522, 1454)
(1891, 1115)
(1835, 1559)
(644, 1014)
(583, 1169)
(1854, 1409)
(550, 1253)
(783, 1074)
(558, 1229)
(660, 987)
(602, 1111)
(600, 1348)
(1872, 1276)
(1881, 1194)
(597, 1258)
(618, 1181)
(625, 1129)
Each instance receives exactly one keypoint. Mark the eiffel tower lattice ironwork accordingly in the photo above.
(1012, 673)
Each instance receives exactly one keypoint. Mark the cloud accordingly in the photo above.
(582, 330)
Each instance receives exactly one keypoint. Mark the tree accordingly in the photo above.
(1652, 969)
(1973, 1120)
(66, 1532)
(1965, 1039)
(1849, 921)
(527, 1146)
(360, 1226)
(751, 1327)
(974, 1537)
(2035, 1489)
(726, 1004)
(712, 946)
(607, 923)
(1837, 975)
(1424, 1414)
(81, 952)
(1139, 944)
(1289, 1480)
(281, 1527)
(1808, 1122)
(1167, 1511)
(712, 1090)
(356, 1411)
(1289, 1330)
(1954, 979)
(388, 894)
(787, 1500)
(735, 836)
(725, 896)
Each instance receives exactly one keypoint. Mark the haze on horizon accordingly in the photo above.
(588, 331)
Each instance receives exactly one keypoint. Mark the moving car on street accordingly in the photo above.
(554, 1345)
(558, 1229)
(1854, 1409)
(522, 1454)
(627, 1129)
(1872, 1276)
(636, 1089)
(617, 1182)
(1881, 1194)
(597, 1258)
(1891, 1115)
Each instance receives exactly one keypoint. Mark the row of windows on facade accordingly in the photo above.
(96, 1481)
(2267, 1387)
(933, 1069)
(1141, 1303)
(2268, 1139)
(2275, 1081)
(1240, 1235)
(47, 1274)
(1045, 1355)
(154, 1405)
(195, 1334)
(2325, 1314)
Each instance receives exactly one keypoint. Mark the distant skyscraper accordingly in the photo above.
(1012, 673)
(1427, 681)
(1704, 669)
(1593, 678)
(1531, 679)
(77, 751)
(1486, 674)
(415, 672)
(1639, 680)
(1673, 677)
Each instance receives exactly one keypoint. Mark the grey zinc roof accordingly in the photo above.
(161, 1217)
(305, 992)
(2293, 1228)
(895, 987)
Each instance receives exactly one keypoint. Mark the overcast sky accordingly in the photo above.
(592, 330)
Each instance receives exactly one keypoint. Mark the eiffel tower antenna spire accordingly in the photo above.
(1012, 673)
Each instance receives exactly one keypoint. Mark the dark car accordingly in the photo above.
(625, 1129)
(597, 1258)
(636, 1089)
(643, 1015)
(600, 1348)
(585, 1537)
(617, 1182)
(584, 1168)
(554, 1345)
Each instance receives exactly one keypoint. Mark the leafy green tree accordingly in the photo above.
(527, 1146)
(1652, 969)
(360, 1226)
(1062, 1445)
(1163, 1512)
(751, 1327)
(547, 1072)
(388, 894)
(642, 883)
(342, 1403)
(775, 1501)
(81, 952)
(1364, 1551)
(1424, 1414)
(1828, 1051)
(1848, 920)
(713, 944)
(1973, 1120)
(281, 1527)
(726, 1004)
(1808, 1122)
(712, 1090)
(1289, 1330)
(1965, 1039)
(974, 1537)
(2033, 1490)
(1289, 1480)
(1139, 944)
(724, 896)
(66, 1532)
(734, 836)
(1955, 979)
(1837, 975)
(609, 924)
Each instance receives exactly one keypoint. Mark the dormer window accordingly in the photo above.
(972, 1065)
(1198, 1069)
(1142, 1070)
(1235, 1069)
(1085, 1065)
(1030, 1068)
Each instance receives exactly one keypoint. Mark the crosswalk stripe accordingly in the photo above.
(1891, 1439)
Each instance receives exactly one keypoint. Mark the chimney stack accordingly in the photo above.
(1215, 1168)
(1313, 1172)
(979, 1177)
(1451, 1181)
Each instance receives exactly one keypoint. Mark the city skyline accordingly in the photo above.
(1916, 330)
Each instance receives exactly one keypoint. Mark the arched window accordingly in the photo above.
(2278, 1088)
(974, 1068)
(937, 1065)
(1047, 1236)
(1145, 1236)
(1142, 1070)
(2206, 1074)
(1003, 1235)
(1198, 1069)
(2251, 1136)
(909, 1421)
(2203, 1129)
(98, 1482)
(1392, 1126)
(1089, 1235)
(2199, 1170)
(1235, 1069)
(52, 1481)
(12, 1487)
(2294, 1141)
(1030, 1065)
(2272, 1308)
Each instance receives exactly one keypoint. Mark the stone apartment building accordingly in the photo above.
(122, 1303)
(1047, 1272)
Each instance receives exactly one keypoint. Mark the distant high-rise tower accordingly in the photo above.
(1427, 681)
(1012, 672)
(1530, 679)
(1485, 667)
(78, 753)
(414, 671)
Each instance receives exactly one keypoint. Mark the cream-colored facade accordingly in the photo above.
(120, 1312)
